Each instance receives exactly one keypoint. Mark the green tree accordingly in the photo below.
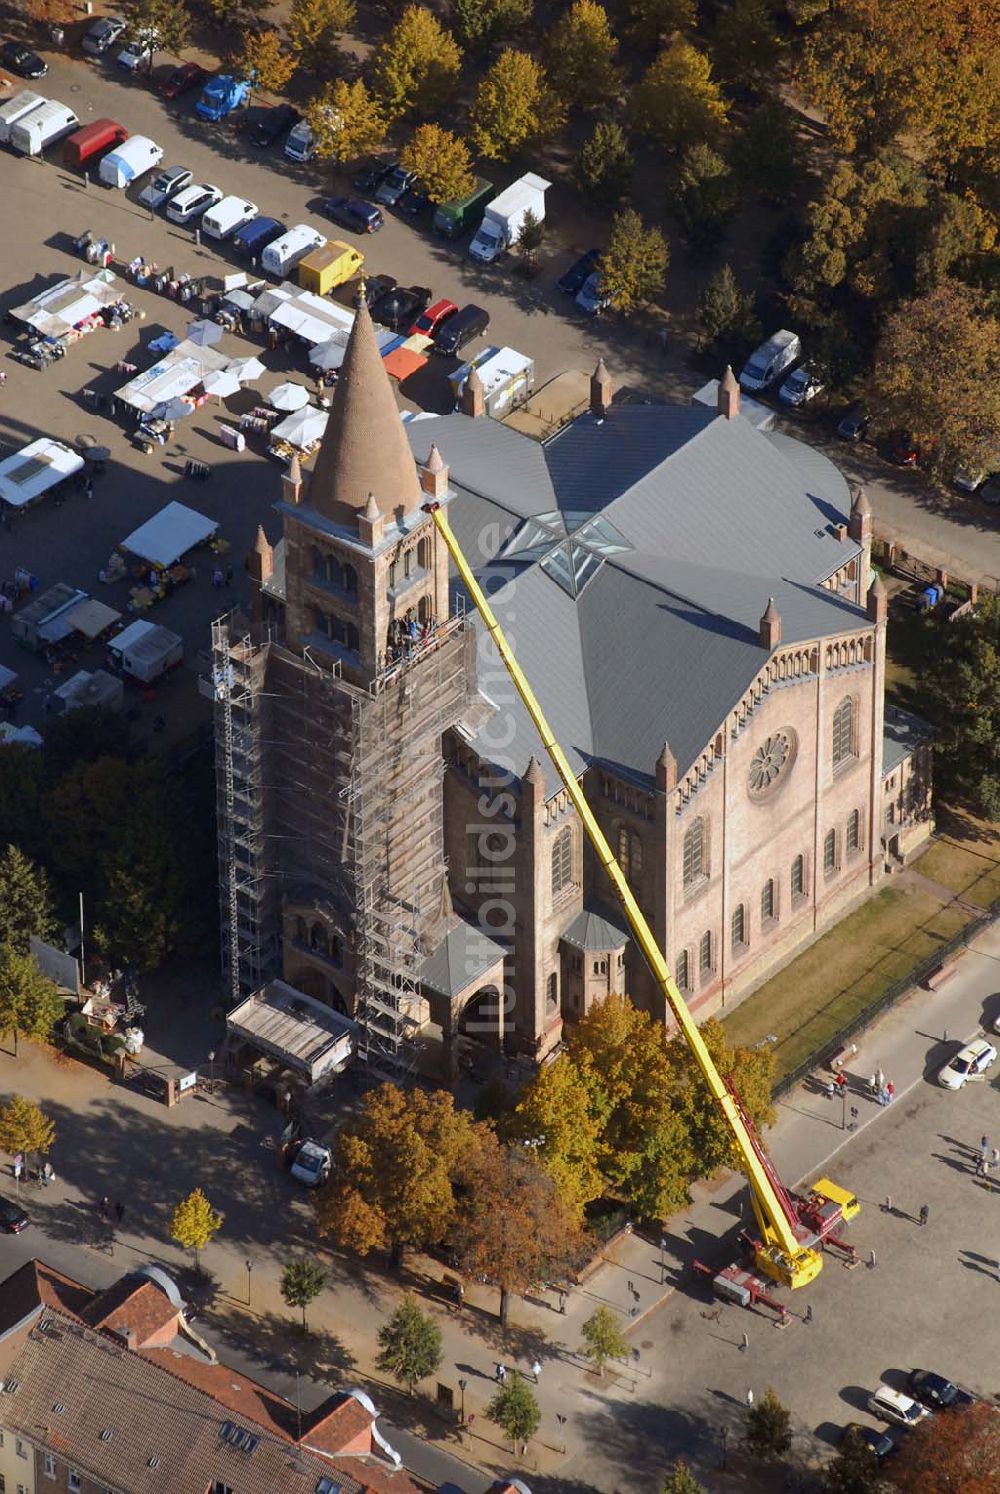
(603, 1339)
(634, 264)
(346, 122)
(302, 1281)
(30, 1005)
(515, 1410)
(314, 28)
(167, 23)
(955, 236)
(441, 161)
(481, 24)
(655, 20)
(705, 195)
(855, 1469)
(24, 1127)
(727, 321)
(556, 1106)
(765, 154)
(680, 1480)
(194, 1222)
(960, 681)
(513, 105)
(26, 905)
(751, 1072)
(746, 44)
(580, 55)
(410, 1345)
(234, 13)
(769, 1427)
(264, 59)
(956, 420)
(513, 1228)
(530, 236)
(604, 165)
(417, 68)
(396, 1163)
(677, 102)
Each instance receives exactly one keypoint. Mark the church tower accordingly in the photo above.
(366, 572)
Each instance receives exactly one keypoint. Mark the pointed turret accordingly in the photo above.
(533, 780)
(434, 475)
(878, 602)
(602, 390)
(364, 449)
(473, 396)
(770, 626)
(291, 481)
(728, 402)
(371, 523)
(860, 525)
(260, 561)
(666, 770)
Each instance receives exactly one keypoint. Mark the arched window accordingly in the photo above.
(705, 954)
(767, 900)
(694, 853)
(830, 852)
(798, 876)
(682, 975)
(319, 939)
(854, 830)
(629, 853)
(552, 992)
(423, 554)
(562, 861)
(739, 926)
(843, 732)
(349, 577)
(336, 952)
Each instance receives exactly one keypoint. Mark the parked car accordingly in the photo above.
(352, 212)
(300, 145)
(22, 60)
(854, 425)
(937, 1392)
(370, 176)
(392, 186)
(165, 184)
(270, 125)
(903, 450)
(400, 306)
(227, 217)
(429, 321)
(800, 387)
(102, 35)
(892, 1405)
(590, 297)
(773, 358)
(182, 80)
(881, 1443)
(575, 278)
(413, 204)
(193, 201)
(311, 1163)
(459, 330)
(375, 287)
(970, 1062)
(12, 1217)
(136, 53)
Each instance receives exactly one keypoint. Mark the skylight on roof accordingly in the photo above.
(570, 561)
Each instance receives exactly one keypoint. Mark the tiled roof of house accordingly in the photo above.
(35, 1285)
(131, 1304)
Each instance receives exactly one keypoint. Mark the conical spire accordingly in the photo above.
(435, 461)
(769, 628)
(364, 450)
(860, 504)
(372, 510)
(262, 545)
(728, 399)
(295, 468)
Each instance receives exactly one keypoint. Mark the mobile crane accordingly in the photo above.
(792, 1231)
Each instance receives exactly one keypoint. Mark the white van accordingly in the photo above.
(133, 158)
(229, 215)
(770, 360)
(284, 254)
(43, 127)
(299, 145)
(16, 108)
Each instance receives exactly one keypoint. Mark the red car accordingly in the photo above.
(182, 80)
(430, 320)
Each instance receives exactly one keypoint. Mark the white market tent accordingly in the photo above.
(168, 535)
(303, 428)
(31, 472)
(312, 318)
(182, 370)
(54, 312)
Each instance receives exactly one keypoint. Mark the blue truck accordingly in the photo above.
(221, 95)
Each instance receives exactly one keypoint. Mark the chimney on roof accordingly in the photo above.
(291, 481)
(602, 391)
(666, 770)
(860, 526)
(434, 475)
(770, 626)
(728, 398)
(371, 523)
(878, 603)
(127, 1333)
(473, 396)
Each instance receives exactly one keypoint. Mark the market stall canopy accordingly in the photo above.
(303, 429)
(168, 535)
(404, 361)
(221, 382)
(247, 370)
(288, 396)
(309, 317)
(56, 311)
(178, 408)
(330, 354)
(89, 689)
(182, 370)
(204, 334)
(91, 618)
(33, 470)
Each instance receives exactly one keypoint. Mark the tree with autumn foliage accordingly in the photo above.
(634, 263)
(513, 106)
(556, 1106)
(395, 1167)
(440, 161)
(580, 54)
(677, 101)
(346, 122)
(959, 1450)
(654, 21)
(513, 1228)
(750, 1071)
(314, 28)
(264, 59)
(417, 68)
(51, 12)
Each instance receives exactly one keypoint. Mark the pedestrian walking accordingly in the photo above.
(981, 1165)
(890, 1092)
(995, 1156)
(874, 1085)
(47, 1174)
(809, 1314)
(887, 1206)
(119, 1212)
(879, 1078)
(925, 1214)
(105, 1205)
(841, 1082)
(536, 1370)
(984, 1147)
(18, 1166)
(749, 1398)
(501, 1374)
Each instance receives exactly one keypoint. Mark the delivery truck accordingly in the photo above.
(86, 146)
(452, 219)
(125, 165)
(333, 264)
(505, 215)
(16, 108)
(41, 128)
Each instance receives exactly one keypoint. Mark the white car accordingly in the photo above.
(970, 1063)
(137, 53)
(227, 217)
(892, 1405)
(800, 387)
(312, 1163)
(193, 201)
(165, 184)
(102, 35)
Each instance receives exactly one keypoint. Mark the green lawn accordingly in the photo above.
(965, 856)
(843, 973)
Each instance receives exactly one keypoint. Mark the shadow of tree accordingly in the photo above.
(277, 1343)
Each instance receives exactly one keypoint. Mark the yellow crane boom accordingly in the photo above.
(783, 1256)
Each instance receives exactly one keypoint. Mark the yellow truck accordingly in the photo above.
(331, 265)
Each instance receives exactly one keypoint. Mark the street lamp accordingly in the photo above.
(211, 1070)
(724, 1437)
(461, 1416)
(249, 1265)
(663, 1259)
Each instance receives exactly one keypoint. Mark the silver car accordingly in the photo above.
(193, 201)
(165, 184)
(102, 35)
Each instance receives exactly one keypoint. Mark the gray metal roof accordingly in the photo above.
(902, 734)
(661, 639)
(593, 930)
(464, 954)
